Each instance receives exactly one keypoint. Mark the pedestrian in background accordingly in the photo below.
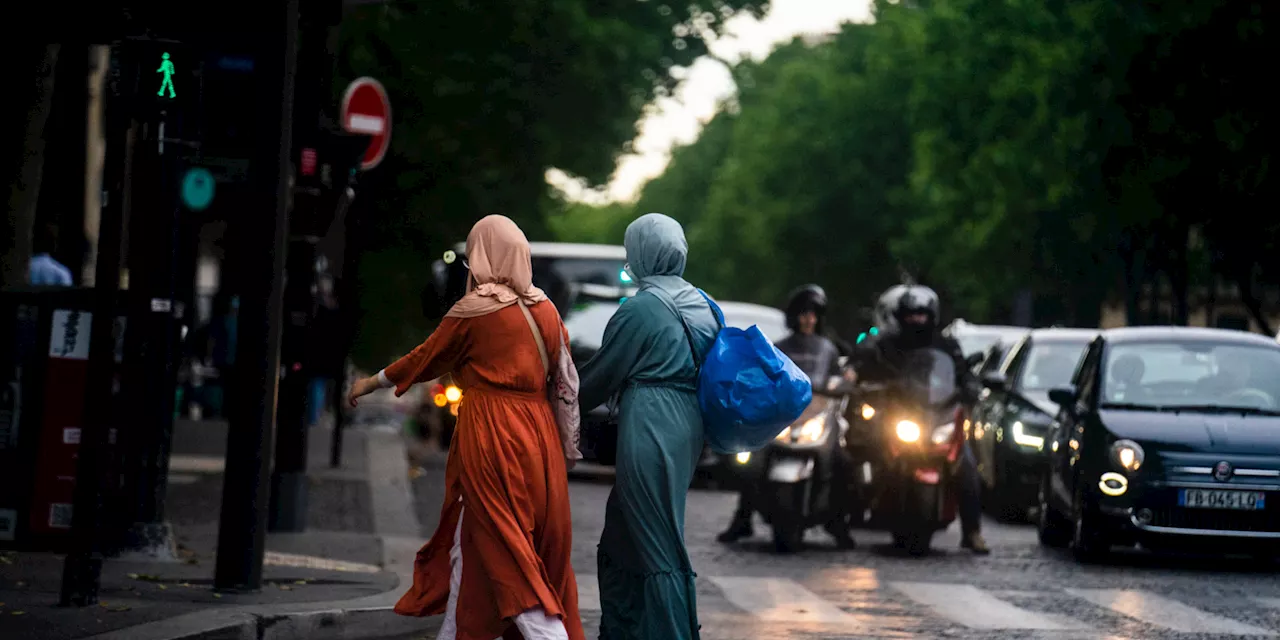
(43, 269)
(501, 556)
(647, 358)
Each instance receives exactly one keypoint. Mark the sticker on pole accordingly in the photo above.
(366, 111)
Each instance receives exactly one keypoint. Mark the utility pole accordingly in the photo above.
(82, 567)
(263, 230)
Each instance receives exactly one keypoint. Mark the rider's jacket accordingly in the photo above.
(816, 356)
(879, 359)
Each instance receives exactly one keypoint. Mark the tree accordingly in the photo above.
(487, 100)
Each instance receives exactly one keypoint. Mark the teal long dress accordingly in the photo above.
(646, 580)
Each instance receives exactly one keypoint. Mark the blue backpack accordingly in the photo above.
(748, 390)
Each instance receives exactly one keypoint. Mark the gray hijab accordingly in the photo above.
(655, 247)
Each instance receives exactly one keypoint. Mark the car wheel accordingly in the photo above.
(1088, 544)
(1054, 531)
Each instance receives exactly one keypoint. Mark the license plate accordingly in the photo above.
(1215, 499)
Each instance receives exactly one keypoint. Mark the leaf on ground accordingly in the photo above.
(19, 613)
(285, 587)
(161, 586)
(300, 582)
(217, 595)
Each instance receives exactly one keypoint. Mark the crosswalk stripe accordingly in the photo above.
(1164, 612)
(588, 592)
(1274, 603)
(975, 608)
(781, 600)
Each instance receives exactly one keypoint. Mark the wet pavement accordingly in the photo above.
(745, 591)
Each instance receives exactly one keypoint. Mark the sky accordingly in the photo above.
(676, 120)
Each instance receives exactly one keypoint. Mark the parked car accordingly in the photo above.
(1014, 412)
(978, 338)
(1166, 436)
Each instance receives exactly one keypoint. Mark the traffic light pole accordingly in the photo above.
(264, 232)
(289, 478)
(82, 567)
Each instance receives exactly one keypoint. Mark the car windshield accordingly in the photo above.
(554, 275)
(1050, 364)
(586, 322)
(980, 340)
(1199, 375)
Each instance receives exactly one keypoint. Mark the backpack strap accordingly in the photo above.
(663, 296)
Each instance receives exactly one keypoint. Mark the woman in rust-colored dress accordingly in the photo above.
(498, 565)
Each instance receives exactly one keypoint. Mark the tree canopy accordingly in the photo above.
(1076, 153)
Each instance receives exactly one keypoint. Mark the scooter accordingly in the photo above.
(916, 427)
(798, 471)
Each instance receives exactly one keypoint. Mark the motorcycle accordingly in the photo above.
(799, 470)
(915, 426)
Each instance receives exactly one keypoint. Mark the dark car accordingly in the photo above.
(1014, 412)
(1166, 436)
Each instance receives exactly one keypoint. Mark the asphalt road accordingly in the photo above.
(1020, 591)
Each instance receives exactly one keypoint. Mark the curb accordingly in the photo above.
(330, 624)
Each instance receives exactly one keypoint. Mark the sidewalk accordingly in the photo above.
(338, 579)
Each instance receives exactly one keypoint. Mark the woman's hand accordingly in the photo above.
(362, 387)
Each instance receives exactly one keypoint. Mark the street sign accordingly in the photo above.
(197, 188)
(367, 111)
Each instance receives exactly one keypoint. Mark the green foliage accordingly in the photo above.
(486, 99)
(987, 148)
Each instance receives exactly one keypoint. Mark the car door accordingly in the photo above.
(1067, 435)
(988, 412)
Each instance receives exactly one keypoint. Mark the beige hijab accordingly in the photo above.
(500, 270)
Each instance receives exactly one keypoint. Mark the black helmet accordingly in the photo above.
(810, 297)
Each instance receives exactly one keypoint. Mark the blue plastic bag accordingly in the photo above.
(748, 390)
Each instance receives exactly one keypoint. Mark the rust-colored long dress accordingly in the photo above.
(506, 466)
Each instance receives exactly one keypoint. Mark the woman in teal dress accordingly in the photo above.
(646, 581)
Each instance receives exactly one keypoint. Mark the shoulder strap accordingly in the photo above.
(688, 334)
(715, 308)
(537, 336)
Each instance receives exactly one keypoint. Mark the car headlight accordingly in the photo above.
(809, 432)
(1021, 437)
(743, 457)
(908, 431)
(1128, 455)
(943, 432)
(452, 393)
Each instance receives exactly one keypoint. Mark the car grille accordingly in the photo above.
(1213, 520)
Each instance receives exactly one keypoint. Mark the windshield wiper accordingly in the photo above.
(1130, 406)
(1217, 408)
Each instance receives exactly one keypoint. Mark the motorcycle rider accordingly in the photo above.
(818, 357)
(907, 318)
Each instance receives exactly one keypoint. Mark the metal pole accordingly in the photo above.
(83, 566)
(289, 478)
(264, 232)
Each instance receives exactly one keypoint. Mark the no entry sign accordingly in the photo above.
(367, 111)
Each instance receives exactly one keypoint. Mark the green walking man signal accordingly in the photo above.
(166, 67)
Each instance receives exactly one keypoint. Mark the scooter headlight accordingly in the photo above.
(452, 393)
(868, 412)
(908, 431)
(743, 457)
(812, 430)
(943, 432)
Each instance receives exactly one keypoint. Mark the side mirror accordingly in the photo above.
(973, 359)
(994, 381)
(1063, 396)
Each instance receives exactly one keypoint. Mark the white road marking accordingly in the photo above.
(196, 464)
(588, 592)
(1274, 603)
(279, 559)
(781, 600)
(977, 609)
(1164, 612)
